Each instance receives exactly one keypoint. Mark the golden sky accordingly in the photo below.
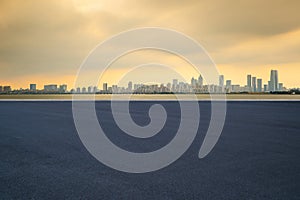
(45, 41)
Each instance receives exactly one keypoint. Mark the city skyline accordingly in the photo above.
(36, 45)
(196, 85)
(40, 84)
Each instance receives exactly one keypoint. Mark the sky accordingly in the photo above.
(45, 42)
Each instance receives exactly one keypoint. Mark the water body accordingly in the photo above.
(256, 157)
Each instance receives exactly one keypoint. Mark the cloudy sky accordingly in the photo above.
(43, 41)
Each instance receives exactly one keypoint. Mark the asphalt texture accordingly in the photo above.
(256, 157)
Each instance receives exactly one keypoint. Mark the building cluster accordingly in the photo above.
(5, 89)
(254, 85)
(53, 88)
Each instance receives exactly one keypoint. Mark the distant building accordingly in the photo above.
(32, 87)
(90, 89)
(83, 90)
(95, 90)
(265, 88)
(235, 88)
(221, 80)
(280, 86)
(253, 84)
(249, 79)
(200, 80)
(104, 87)
(1, 89)
(175, 85)
(228, 83)
(273, 85)
(78, 90)
(193, 82)
(259, 85)
(114, 89)
(50, 88)
(6, 89)
(129, 86)
(109, 89)
(63, 88)
(169, 86)
(228, 86)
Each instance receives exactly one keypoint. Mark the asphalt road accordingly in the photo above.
(257, 156)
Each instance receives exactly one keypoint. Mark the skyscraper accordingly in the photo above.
(221, 80)
(228, 86)
(193, 82)
(200, 80)
(129, 86)
(175, 85)
(249, 85)
(253, 84)
(273, 81)
(276, 80)
(259, 85)
(221, 83)
(105, 87)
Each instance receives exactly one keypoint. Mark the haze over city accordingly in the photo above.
(39, 46)
(150, 99)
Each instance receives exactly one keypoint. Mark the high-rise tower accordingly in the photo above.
(249, 85)
(273, 81)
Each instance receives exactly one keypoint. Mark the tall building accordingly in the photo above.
(269, 86)
(32, 87)
(259, 85)
(175, 85)
(249, 85)
(105, 87)
(221, 80)
(193, 82)
(273, 80)
(1, 88)
(276, 80)
(253, 84)
(78, 90)
(200, 80)
(228, 86)
(129, 86)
